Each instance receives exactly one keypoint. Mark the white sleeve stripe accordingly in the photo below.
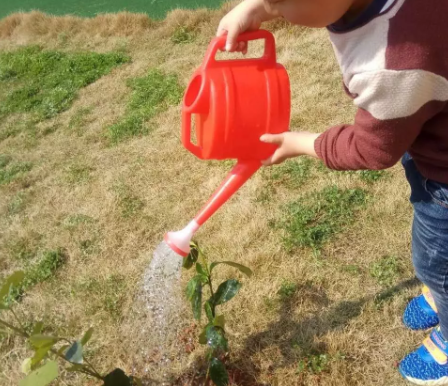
(390, 94)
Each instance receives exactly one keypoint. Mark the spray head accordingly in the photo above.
(179, 241)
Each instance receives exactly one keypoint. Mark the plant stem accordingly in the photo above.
(15, 329)
(18, 320)
(207, 377)
(93, 369)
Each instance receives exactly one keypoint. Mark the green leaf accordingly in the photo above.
(87, 336)
(4, 306)
(37, 329)
(196, 301)
(191, 287)
(208, 310)
(216, 338)
(39, 340)
(43, 376)
(219, 321)
(74, 353)
(39, 355)
(14, 280)
(200, 270)
(117, 378)
(26, 366)
(218, 373)
(226, 291)
(243, 269)
(202, 336)
(192, 257)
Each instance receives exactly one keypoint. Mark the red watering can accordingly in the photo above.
(233, 102)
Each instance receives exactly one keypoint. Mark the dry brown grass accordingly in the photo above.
(333, 310)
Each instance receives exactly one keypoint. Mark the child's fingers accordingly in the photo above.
(276, 139)
(232, 36)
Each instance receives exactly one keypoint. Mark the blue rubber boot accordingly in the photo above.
(428, 365)
(421, 312)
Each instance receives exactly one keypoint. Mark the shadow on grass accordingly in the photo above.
(297, 339)
(294, 340)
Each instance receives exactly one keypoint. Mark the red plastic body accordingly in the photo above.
(234, 102)
(234, 180)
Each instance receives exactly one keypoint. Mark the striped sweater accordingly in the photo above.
(395, 67)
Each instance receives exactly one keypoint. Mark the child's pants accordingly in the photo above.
(430, 236)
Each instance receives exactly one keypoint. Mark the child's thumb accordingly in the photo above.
(276, 139)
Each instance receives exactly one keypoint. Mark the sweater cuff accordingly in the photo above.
(318, 146)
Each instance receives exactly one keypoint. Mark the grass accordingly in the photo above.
(11, 170)
(312, 221)
(183, 35)
(108, 207)
(44, 83)
(151, 95)
(386, 271)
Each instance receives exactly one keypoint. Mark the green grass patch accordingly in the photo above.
(318, 363)
(17, 203)
(104, 294)
(287, 290)
(74, 220)
(78, 174)
(151, 95)
(183, 35)
(44, 83)
(128, 202)
(37, 268)
(313, 220)
(10, 170)
(293, 173)
(386, 271)
(371, 176)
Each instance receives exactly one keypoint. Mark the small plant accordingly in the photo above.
(183, 35)
(151, 95)
(386, 271)
(42, 368)
(311, 221)
(214, 333)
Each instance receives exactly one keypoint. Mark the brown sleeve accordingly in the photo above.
(371, 143)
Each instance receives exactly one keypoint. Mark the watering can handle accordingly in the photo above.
(218, 43)
(186, 135)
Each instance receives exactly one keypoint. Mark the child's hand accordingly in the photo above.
(290, 144)
(246, 16)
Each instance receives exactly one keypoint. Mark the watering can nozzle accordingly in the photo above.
(179, 241)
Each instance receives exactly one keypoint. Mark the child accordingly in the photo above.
(394, 59)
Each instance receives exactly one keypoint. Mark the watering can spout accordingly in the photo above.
(179, 241)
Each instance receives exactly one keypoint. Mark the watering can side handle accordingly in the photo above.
(186, 135)
(218, 43)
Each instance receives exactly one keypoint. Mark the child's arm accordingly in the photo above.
(394, 106)
(246, 16)
(290, 144)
